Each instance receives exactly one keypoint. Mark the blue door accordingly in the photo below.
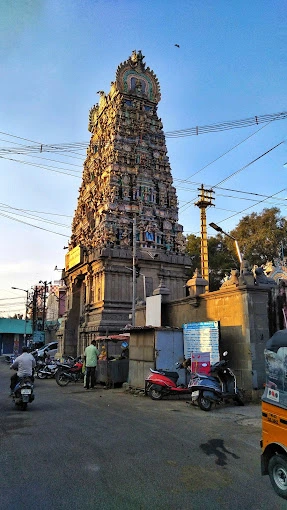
(169, 351)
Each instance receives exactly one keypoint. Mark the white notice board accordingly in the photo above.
(153, 311)
(201, 337)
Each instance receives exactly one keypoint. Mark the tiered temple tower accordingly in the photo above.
(126, 175)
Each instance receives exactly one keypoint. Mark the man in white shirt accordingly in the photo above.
(24, 365)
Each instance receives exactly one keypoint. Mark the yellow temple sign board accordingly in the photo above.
(73, 257)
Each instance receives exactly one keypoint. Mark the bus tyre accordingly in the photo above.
(277, 469)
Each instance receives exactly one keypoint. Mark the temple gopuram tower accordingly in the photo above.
(126, 175)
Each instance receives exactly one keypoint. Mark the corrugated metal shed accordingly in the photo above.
(15, 326)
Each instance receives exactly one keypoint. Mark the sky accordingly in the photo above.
(56, 54)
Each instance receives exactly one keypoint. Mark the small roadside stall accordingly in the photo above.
(113, 363)
(156, 348)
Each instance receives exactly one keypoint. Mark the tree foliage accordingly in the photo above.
(221, 258)
(260, 238)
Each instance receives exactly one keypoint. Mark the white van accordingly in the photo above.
(50, 349)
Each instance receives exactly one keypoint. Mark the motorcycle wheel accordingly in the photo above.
(24, 406)
(154, 394)
(239, 397)
(277, 469)
(40, 375)
(62, 379)
(204, 403)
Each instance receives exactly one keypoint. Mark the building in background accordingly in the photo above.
(126, 201)
(46, 310)
(14, 333)
(55, 309)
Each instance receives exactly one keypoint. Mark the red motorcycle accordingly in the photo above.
(70, 373)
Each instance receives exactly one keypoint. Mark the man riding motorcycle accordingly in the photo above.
(24, 364)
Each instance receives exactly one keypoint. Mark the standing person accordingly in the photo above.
(24, 365)
(91, 360)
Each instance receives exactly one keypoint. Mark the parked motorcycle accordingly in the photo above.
(216, 387)
(161, 383)
(23, 393)
(70, 373)
(10, 359)
(45, 370)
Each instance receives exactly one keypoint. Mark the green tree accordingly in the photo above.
(221, 258)
(261, 236)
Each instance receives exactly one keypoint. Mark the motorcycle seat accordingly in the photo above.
(172, 375)
(205, 376)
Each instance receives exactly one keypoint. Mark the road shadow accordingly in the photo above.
(216, 447)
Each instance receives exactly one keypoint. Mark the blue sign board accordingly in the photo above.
(38, 337)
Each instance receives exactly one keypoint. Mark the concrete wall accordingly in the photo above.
(141, 356)
(244, 315)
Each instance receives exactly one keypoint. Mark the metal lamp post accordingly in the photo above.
(26, 311)
(219, 229)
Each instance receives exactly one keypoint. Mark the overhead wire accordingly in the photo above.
(248, 164)
(31, 211)
(186, 206)
(226, 152)
(247, 208)
(36, 218)
(31, 225)
(49, 168)
(197, 130)
(179, 133)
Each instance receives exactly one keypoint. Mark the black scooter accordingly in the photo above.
(217, 387)
(23, 392)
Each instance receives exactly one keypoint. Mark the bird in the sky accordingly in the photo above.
(177, 45)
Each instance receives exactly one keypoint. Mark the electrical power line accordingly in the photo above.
(31, 225)
(247, 208)
(31, 211)
(43, 167)
(188, 204)
(197, 130)
(36, 218)
(248, 164)
(226, 152)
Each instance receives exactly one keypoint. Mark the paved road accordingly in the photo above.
(110, 450)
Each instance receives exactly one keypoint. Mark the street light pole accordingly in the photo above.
(219, 229)
(134, 274)
(26, 312)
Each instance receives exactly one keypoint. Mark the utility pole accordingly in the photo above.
(205, 200)
(44, 302)
(26, 312)
(134, 272)
(34, 311)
